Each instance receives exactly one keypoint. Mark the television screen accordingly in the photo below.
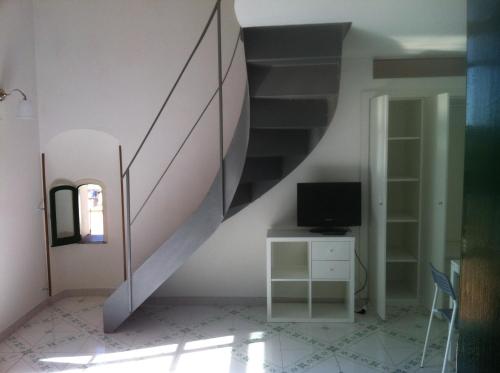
(329, 204)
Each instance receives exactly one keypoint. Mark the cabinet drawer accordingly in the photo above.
(330, 269)
(331, 251)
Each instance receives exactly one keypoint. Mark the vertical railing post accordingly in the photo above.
(221, 110)
(129, 242)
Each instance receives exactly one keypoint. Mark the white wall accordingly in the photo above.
(22, 252)
(232, 261)
(108, 65)
(382, 28)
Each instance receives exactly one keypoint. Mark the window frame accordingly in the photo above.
(61, 241)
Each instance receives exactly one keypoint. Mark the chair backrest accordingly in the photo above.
(443, 282)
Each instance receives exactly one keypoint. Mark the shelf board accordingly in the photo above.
(295, 273)
(406, 178)
(400, 257)
(403, 180)
(401, 218)
(404, 138)
(329, 311)
(290, 310)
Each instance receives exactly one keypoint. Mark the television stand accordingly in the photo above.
(310, 277)
(330, 231)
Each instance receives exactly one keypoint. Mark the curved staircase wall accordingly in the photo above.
(183, 187)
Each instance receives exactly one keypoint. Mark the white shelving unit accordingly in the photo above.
(310, 277)
(404, 160)
(396, 134)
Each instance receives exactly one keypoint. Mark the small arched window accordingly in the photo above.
(77, 214)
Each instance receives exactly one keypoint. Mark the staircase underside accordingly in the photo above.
(294, 76)
(186, 240)
(293, 83)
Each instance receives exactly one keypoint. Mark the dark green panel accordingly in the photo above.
(479, 342)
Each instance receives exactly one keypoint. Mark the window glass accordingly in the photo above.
(90, 198)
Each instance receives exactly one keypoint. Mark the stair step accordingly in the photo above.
(261, 187)
(276, 143)
(294, 42)
(243, 195)
(293, 81)
(258, 169)
(300, 61)
(288, 114)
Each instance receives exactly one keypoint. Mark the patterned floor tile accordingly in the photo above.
(68, 337)
(340, 365)
(8, 359)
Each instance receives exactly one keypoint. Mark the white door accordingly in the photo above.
(379, 118)
(435, 187)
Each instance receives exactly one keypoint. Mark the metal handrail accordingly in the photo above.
(126, 173)
(188, 134)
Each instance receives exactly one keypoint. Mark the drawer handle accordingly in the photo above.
(331, 250)
(331, 269)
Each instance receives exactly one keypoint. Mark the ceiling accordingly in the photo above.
(380, 28)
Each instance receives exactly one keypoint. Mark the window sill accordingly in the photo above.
(95, 239)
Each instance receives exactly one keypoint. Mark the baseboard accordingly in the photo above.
(198, 301)
(13, 327)
(81, 293)
(49, 301)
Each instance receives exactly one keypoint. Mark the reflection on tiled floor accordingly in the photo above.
(68, 337)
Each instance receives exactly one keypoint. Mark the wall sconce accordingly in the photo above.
(24, 108)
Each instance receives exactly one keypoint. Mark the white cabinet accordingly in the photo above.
(395, 199)
(416, 146)
(442, 196)
(310, 277)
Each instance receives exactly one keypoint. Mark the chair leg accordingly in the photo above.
(429, 326)
(450, 330)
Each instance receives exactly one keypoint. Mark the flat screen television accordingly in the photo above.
(329, 206)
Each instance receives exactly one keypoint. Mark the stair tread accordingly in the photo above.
(279, 113)
(294, 41)
(262, 168)
(294, 61)
(267, 143)
(293, 81)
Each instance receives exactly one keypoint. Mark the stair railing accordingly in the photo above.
(215, 13)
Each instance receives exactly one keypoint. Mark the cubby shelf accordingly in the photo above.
(310, 277)
(324, 311)
(290, 310)
(295, 273)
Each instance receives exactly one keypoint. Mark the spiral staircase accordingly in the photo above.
(293, 84)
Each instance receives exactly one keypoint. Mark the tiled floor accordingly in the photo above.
(68, 337)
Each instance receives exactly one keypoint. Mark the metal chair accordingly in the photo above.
(442, 283)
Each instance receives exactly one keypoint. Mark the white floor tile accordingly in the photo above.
(67, 337)
(22, 367)
(340, 365)
(8, 359)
